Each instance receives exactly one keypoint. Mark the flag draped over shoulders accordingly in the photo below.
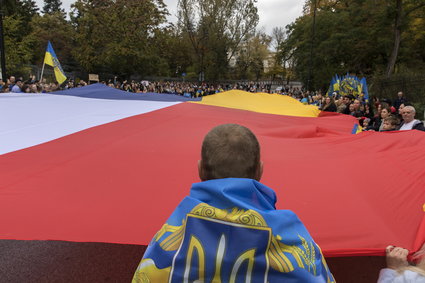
(52, 60)
(228, 230)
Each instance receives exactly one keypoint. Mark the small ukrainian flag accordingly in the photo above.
(52, 60)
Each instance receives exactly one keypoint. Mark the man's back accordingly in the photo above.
(228, 230)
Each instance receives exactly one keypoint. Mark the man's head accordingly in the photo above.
(230, 151)
(400, 94)
(408, 114)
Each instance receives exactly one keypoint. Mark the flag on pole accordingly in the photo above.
(51, 59)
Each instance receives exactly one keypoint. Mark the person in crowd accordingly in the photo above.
(26, 88)
(357, 112)
(17, 88)
(390, 123)
(365, 124)
(11, 82)
(329, 105)
(401, 99)
(319, 101)
(346, 101)
(378, 123)
(35, 88)
(368, 111)
(352, 110)
(399, 270)
(400, 110)
(409, 122)
(215, 219)
(305, 98)
(340, 104)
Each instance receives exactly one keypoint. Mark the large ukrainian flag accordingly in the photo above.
(51, 59)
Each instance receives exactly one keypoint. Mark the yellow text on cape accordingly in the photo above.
(261, 103)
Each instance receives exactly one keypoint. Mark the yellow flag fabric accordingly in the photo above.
(52, 60)
(261, 103)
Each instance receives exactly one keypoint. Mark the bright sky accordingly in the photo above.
(273, 13)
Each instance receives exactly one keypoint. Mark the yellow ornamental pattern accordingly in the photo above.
(147, 272)
(277, 253)
(171, 242)
(239, 216)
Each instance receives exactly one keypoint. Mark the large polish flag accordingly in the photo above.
(98, 165)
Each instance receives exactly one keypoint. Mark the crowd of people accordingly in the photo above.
(377, 115)
(31, 85)
(189, 89)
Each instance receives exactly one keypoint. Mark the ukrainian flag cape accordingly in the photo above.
(52, 60)
(228, 230)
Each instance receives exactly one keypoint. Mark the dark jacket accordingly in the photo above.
(418, 125)
(375, 124)
(329, 108)
(399, 101)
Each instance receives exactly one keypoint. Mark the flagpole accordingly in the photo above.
(42, 71)
(44, 63)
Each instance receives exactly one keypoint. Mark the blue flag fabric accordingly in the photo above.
(365, 89)
(228, 230)
(101, 91)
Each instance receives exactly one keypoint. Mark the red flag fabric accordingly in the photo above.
(119, 182)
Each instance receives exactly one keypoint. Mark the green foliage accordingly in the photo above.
(53, 6)
(54, 28)
(215, 30)
(25, 9)
(251, 57)
(132, 37)
(352, 36)
(122, 36)
(19, 51)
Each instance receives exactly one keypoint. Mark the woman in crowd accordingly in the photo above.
(352, 109)
(378, 123)
(329, 105)
(368, 111)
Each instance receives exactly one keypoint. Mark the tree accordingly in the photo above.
(17, 40)
(122, 36)
(23, 8)
(216, 28)
(53, 27)
(19, 51)
(402, 11)
(351, 36)
(53, 6)
(278, 37)
(252, 55)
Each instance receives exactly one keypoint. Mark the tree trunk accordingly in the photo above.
(397, 38)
